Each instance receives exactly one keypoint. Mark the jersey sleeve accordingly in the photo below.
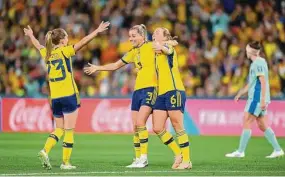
(259, 69)
(68, 51)
(43, 52)
(129, 57)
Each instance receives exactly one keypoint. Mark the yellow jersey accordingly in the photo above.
(60, 76)
(168, 72)
(144, 59)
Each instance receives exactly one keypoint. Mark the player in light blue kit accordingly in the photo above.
(258, 100)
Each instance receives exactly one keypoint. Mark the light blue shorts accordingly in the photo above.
(253, 107)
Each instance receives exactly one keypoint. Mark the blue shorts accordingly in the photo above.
(253, 107)
(145, 96)
(64, 105)
(172, 100)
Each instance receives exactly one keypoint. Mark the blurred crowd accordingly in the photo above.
(212, 35)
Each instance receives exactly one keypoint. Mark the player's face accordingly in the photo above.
(248, 54)
(135, 38)
(158, 35)
(65, 39)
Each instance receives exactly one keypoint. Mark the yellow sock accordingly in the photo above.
(184, 145)
(143, 135)
(168, 140)
(53, 139)
(137, 145)
(67, 145)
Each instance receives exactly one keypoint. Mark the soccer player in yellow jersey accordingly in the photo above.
(170, 100)
(143, 99)
(142, 55)
(64, 95)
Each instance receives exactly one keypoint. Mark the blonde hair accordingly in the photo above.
(141, 29)
(53, 38)
(167, 34)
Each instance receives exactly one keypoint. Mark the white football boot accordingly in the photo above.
(142, 163)
(67, 167)
(235, 154)
(276, 154)
(134, 164)
(184, 165)
(42, 155)
(177, 161)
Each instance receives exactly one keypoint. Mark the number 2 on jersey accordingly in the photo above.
(60, 66)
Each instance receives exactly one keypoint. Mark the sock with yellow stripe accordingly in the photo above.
(168, 140)
(184, 145)
(53, 139)
(143, 136)
(137, 145)
(67, 145)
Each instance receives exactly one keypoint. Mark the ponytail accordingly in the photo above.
(48, 45)
(167, 34)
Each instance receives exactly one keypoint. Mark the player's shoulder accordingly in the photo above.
(131, 50)
(261, 61)
(147, 44)
(43, 49)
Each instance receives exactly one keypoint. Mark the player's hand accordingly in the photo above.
(262, 105)
(90, 69)
(157, 47)
(103, 27)
(237, 98)
(28, 31)
(171, 42)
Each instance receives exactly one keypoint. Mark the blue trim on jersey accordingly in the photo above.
(69, 66)
(170, 60)
(67, 63)
(257, 91)
(156, 69)
(252, 107)
(170, 64)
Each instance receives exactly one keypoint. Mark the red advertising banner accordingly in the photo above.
(95, 115)
(26, 115)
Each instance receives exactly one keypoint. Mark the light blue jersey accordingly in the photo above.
(257, 68)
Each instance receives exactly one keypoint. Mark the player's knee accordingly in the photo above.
(247, 122)
(261, 126)
(157, 129)
(140, 123)
(246, 125)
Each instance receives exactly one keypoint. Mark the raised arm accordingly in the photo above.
(241, 92)
(29, 32)
(108, 67)
(102, 27)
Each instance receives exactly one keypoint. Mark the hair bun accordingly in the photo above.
(142, 25)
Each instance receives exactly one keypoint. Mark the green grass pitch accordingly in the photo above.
(107, 155)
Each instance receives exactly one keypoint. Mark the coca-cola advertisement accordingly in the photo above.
(26, 115)
(95, 115)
